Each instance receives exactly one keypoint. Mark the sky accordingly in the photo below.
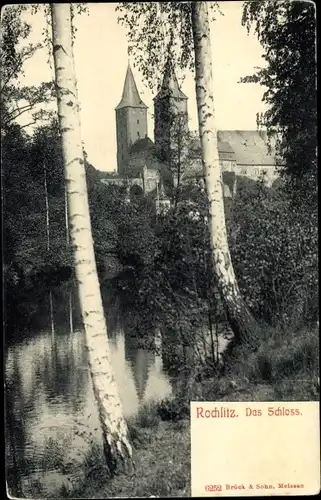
(101, 62)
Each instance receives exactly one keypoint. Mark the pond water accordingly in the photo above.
(51, 417)
(49, 400)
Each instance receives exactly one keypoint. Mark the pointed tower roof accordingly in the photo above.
(161, 193)
(170, 87)
(141, 368)
(130, 97)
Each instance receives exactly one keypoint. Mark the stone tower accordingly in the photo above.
(170, 110)
(131, 120)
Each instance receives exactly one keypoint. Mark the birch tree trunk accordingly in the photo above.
(241, 320)
(52, 322)
(114, 428)
(71, 325)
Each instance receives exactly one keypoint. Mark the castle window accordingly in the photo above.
(137, 122)
(138, 134)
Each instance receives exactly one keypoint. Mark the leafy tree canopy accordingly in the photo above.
(286, 31)
(156, 28)
(15, 98)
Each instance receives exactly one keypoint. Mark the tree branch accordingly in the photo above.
(19, 64)
(28, 124)
(20, 110)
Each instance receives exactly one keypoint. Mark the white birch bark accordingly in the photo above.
(242, 322)
(71, 325)
(52, 323)
(114, 428)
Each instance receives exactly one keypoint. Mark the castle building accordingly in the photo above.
(171, 116)
(148, 165)
(131, 121)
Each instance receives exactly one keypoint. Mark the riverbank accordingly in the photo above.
(284, 368)
(162, 466)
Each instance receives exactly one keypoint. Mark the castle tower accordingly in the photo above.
(140, 361)
(170, 110)
(163, 203)
(131, 120)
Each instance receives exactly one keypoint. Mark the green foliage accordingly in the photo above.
(162, 268)
(30, 268)
(15, 49)
(174, 409)
(274, 251)
(156, 28)
(17, 99)
(161, 468)
(13, 31)
(26, 161)
(170, 287)
(287, 32)
(286, 362)
(147, 417)
(123, 235)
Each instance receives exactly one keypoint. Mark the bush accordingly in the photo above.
(287, 360)
(173, 409)
(147, 416)
(274, 251)
(142, 425)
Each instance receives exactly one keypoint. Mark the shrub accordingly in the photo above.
(173, 409)
(147, 416)
(287, 360)
(274, 251)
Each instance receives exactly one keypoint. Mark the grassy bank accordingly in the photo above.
(284, 368)
(162, 463)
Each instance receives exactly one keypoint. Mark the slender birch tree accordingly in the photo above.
(150, 29)
(242, 322)
(116, 444)
(52, 322)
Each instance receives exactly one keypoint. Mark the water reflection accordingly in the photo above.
(49, 399)
(140, 362)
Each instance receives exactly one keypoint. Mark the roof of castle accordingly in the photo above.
(130, 97)
(170, 85)
(108, 175)
(246, 147)
(224, 149)
(250, 146)
(145, 144)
